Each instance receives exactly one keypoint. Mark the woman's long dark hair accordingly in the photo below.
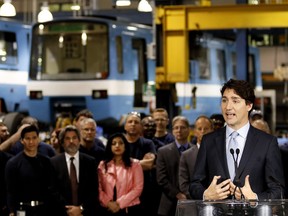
(109, 154)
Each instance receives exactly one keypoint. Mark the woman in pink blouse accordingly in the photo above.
(120, 179)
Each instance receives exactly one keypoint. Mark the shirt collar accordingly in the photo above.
(67, 156)
(186, 145)
(242, 131)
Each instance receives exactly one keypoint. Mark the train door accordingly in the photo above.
(139, 46)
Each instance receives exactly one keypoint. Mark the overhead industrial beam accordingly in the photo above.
(177, 21)
(223, 17)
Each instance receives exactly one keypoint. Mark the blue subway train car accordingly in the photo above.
(108, 67)
(94, 63)
(212, 63)
(15, 40)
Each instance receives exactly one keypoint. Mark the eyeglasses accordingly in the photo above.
(135, 114)
(180, 128)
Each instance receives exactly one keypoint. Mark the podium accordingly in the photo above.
(232, 207)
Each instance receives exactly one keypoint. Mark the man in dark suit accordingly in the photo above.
(86, 201)
(257, 158)
(4, 157)
(167, 165)
(203, 125)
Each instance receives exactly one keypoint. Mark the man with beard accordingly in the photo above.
(75, 178)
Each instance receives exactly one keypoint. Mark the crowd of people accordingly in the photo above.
(145, 169)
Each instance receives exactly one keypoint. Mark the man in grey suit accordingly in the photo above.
(167, 165)
(203, 125)
(257, 160)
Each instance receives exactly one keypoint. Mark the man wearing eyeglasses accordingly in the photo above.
(167, 166)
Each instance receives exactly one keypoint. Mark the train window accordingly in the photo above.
(204, 63)
(8, 48)
(234, 63)
(251, 69)
(221, 64)
(69, 51)
(119, 49)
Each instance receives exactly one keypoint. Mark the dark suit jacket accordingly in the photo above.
(87, 188)
(261, 160)
(4, 157)
(186, 169)
(167, 166)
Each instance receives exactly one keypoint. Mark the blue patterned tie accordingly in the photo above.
(232, 145)
(182, 149)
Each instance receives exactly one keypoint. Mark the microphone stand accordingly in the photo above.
(237, 180)
(241, 210)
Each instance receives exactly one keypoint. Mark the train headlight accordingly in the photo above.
(99, 94)
(35, 95)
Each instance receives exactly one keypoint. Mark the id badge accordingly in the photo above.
(21, 213)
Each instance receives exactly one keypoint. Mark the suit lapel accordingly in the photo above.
(221, 150)
(81, 168)
(64, 168)
(175, 149)
(248, 150)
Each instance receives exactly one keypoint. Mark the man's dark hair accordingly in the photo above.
(3, 124)
(67, 129)
(241, 88)
(28, 129)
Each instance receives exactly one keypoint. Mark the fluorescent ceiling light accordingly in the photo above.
(121, 3)
(7, 9)
(75, 7)
(144, 6)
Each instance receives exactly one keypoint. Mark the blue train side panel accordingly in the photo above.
(14, 64)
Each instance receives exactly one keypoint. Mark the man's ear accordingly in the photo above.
(249, 107)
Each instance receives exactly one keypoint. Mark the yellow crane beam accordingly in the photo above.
(177, 21)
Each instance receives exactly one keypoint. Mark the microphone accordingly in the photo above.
(237, 180)
(235, 160)
(237, 154)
